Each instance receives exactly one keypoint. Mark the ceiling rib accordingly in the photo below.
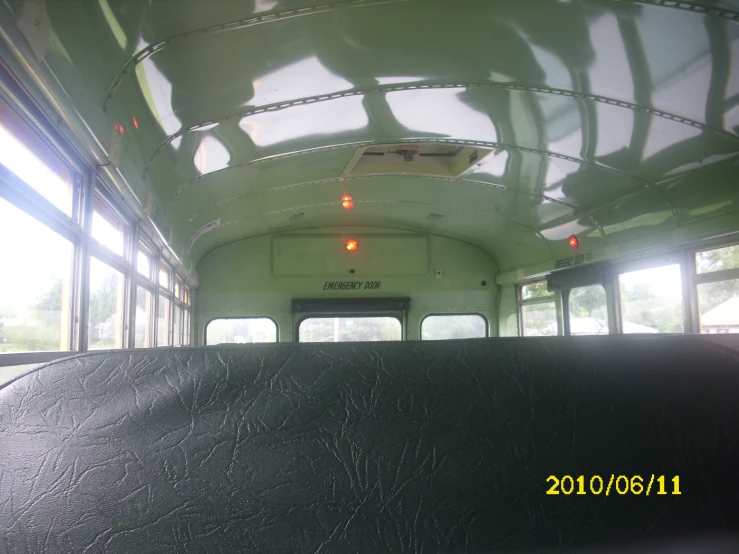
(196, 236)
(731, 15)
(491, 145)
(574, 208)
(270, 17)
(398, 88)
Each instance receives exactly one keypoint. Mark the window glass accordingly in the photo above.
(144, 307)
(440, 327)
(240, 331)
(177, 288)
(53, 184)
(186, 296)
(143, 265)
(588, 311)
(535, 290)
(186, 327)
(163, 321)
(652, 300)
(718, 259)
(539, 320)
(177, 325)
(107, 229)
(719, 306)
(105, 325)
(349, 329)
(164, 276)
(35, 284)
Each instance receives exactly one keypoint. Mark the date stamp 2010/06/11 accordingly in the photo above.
(614, 484)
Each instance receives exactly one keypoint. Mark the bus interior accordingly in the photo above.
(512, 215)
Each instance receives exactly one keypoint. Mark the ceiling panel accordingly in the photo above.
(608, 118)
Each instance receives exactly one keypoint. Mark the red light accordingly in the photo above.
(347, 202)
(574, 242)
(352, 245)
(119, 128)
(135, 123)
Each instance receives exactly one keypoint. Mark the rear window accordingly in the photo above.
(464, 326)
(349, 329)
(240, 330)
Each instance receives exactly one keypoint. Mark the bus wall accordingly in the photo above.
(243, 278)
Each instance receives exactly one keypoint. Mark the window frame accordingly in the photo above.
(683, 256)
(102, 197)
(73, 274)
(443, 314)
(696, 279)
(326, 315)
(557, 297)
(125, 264)
(566, 300)
(398, 307)
(124, 339)
(89, 185)
(32, 128)
(216, 318)
(24, 197)
(150, 339)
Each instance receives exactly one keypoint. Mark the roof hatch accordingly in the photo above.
(428, 159)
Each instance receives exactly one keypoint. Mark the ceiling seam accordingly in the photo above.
(492, 145)
(731, 15)
(269, 17)
(576, 210)
(279, 106)
(426, 232)
(366, 177)
(196, 236)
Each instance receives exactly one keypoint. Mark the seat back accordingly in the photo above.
(445, 446)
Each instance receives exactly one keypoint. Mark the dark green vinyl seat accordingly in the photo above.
(375, 447)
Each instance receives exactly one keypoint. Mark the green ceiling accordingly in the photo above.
(612, 120)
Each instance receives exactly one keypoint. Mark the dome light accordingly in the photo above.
(346, 202)
(352, 245)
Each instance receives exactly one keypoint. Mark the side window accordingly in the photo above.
(588, 311)
(145, 297)
(652, 300)
(349, 329)
(240, 330)
(144, 309)
(35, 283)
(717, 281)
(107, 292)
(461, 326)
(36, 251)
(538, 310)
(23, 153)
(107, 228)
(163, 321)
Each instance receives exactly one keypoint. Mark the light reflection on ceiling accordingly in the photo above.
(157, 90)
(441, 112)
(302, 79)
(593, 104)
(211, 155)
(323, 118)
